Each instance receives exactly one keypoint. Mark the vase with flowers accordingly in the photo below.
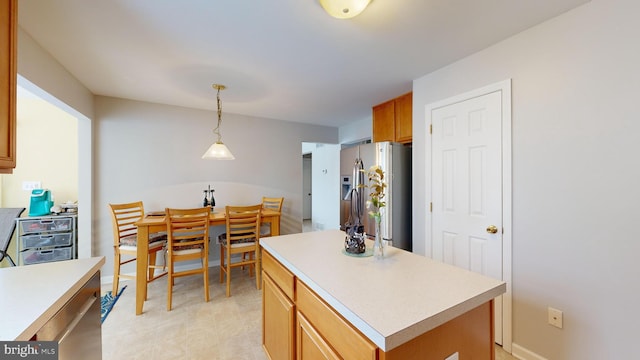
(375, 204)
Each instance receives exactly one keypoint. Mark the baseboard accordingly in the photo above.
(522, 353)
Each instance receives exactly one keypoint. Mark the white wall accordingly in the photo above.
(576, 170)
(152, 152)
(356, 131)
(41, 74)
(37, 65)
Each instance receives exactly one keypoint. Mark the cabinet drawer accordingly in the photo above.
(281, 276)
(40, 256)
(37, 241)
(346, 340)
(42, 225)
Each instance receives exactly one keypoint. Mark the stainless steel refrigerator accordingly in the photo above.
(395, 161)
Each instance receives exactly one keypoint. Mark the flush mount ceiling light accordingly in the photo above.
(344, 9)
(218, 151)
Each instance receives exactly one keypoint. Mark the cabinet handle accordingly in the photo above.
(79, 316)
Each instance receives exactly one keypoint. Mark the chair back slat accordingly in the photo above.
(124, 216)
(187, 229)
(243, 223)
(272, 203)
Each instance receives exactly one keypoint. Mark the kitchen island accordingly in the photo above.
(320, 303)
(44, 301)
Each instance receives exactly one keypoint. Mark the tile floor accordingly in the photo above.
(222, 329)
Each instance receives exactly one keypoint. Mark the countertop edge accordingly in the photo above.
(453, 312)
(356, 321)
(394, 340)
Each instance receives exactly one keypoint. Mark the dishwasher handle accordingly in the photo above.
(76, 320)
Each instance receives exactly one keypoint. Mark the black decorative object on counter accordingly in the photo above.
(354, 227)
(209, 200)
(354, 241)
(205, 202)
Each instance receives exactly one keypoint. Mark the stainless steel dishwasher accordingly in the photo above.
(76, 327)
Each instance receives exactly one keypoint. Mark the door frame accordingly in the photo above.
(505, 88)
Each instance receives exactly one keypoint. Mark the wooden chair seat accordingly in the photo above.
(222, 239)
(132, 239)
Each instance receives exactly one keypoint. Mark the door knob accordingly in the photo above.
(492, 229)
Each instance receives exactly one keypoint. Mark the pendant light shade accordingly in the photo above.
(344, 9)
(218, 151)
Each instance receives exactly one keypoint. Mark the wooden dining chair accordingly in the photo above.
(273, 203)
(125, 241)
(242, 237)
(187, 240)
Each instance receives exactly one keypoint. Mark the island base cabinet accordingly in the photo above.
(470, 335)
(309, 344)
(348, 342)
(278, 319)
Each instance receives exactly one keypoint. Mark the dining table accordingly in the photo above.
(156, 222)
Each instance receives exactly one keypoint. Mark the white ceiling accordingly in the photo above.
(281, 59)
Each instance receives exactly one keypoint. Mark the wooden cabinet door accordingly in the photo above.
(309, 344)
(8, 83)
(278, 321)
(404, 118)
(346, 341)
(384, 122)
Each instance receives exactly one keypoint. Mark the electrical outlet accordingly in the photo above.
(453, 356)
(554, 317)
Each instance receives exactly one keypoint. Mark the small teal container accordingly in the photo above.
(40, 202)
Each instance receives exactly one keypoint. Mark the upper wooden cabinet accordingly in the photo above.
(392, 120)
(8, 83)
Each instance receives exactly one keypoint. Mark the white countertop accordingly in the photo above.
(390, 300)
(31, 295)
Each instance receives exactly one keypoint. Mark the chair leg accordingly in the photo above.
(169, 284)
(8, 257)
(251, 267)
(222, 268)
(228, 271)
(205, 275)
(152, 263)
(257, 263)
(116, 272)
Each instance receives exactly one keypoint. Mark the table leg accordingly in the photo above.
(275, 226)
(141, 267)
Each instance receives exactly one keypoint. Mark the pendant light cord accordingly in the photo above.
(217, 129)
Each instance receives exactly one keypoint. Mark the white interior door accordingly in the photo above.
(466, 159)
(306, 188)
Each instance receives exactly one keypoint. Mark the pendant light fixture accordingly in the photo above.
(218, 151)
(344, 9)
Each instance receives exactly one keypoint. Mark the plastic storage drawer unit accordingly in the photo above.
(39, 256)
(42, 225)
(37, 241)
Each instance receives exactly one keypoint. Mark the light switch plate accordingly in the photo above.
(555, 317)
(31, 185)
